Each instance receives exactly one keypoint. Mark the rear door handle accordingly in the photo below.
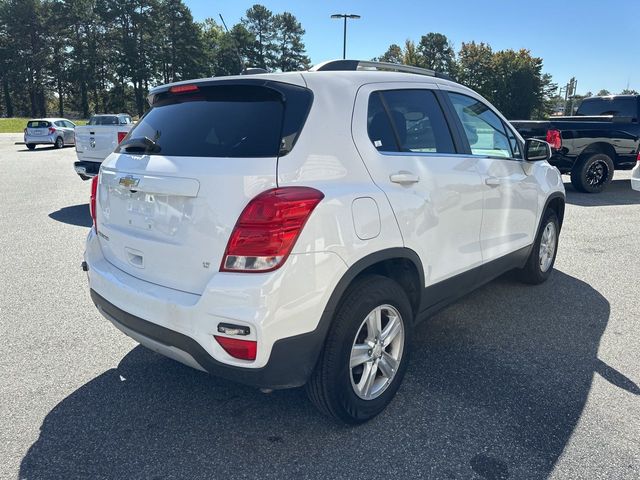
(404, 178)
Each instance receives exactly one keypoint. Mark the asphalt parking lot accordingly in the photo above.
(513, 381)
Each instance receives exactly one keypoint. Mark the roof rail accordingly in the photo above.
(353, 65)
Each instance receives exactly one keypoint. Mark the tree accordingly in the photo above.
(628, 91)
(411, 55)
(289, 51)
(437, 53)
(475, 67)
(603, 93)
(259, 21)
(393, 54)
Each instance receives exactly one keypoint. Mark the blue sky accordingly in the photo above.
(597, 42)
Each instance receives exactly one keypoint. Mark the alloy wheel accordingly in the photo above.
(376, 352)
(548, 244)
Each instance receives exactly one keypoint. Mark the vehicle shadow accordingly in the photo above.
(494, 390)
(618, 192)
(75, 215)
(41, 148)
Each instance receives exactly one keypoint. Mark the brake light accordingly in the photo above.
(638, 157)
(554, 139)
(93, 201)
(242, 349)
(121, 136)
(52, 130)
(183, 88)
(268, 228)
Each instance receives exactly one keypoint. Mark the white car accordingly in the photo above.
(289, 229)
(635, 175)
(49, 131)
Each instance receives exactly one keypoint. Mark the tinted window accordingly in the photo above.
(408, 121)
(125, 120)
(38, 124)
(59, 123)
(222, 121)
(483, 128)
(103, 120)
(620, 107)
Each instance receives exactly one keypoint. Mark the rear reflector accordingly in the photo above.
(268, 228)
(242, 349)
(183, 88)
(92, 202)
(121, 136)
(554, 139)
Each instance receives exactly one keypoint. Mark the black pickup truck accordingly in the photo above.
(603, 136)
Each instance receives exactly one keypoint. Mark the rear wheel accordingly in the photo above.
(31, 146)
(543, 254)
(591, 174)
(59, 142)
(366, 352)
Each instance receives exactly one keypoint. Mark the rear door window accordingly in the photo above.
(408, 121)
(221, 121)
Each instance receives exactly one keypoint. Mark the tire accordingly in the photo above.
(59, 142)
(31, 146)
(536, 270)
(591, 174)
(341, 391)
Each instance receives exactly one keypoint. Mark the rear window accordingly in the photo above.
(221, 121)
(38, 124)
(104, 120)
(619, 107)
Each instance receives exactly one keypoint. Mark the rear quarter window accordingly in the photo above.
(222, 121)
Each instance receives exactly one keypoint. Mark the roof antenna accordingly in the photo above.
(234, 44)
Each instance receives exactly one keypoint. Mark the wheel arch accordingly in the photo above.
(599, 147)
(555, 202)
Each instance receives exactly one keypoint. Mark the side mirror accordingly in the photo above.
(536, 150)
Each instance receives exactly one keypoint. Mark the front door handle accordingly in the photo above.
(493, 181)
(404, 178)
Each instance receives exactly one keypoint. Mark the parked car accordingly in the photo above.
(98, 139)
(49, 131)
(603, 136)
(289, 229)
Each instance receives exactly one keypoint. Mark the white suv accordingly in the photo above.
(290, 229)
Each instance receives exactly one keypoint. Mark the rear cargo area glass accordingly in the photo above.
(219, 121)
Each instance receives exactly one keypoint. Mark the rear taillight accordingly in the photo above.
(52, 130)
(93, 201)
(638, 158)
(242, 349)
(121, 136)
(554, 139)
(268, 228)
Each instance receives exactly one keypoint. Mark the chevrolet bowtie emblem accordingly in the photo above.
(129, 181)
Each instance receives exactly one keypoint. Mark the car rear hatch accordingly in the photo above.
(172, 192)
(37, 128)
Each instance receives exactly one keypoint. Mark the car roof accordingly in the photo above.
(48, 119)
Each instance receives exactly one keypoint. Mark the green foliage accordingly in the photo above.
(512, 80)
(18, 124)
(77, 57)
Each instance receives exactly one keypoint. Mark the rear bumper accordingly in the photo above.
(292, 359)
(283, 310)
(40, 139)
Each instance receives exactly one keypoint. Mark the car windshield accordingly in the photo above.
(103, 120)
(38, 124)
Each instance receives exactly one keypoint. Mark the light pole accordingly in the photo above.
(344, 41)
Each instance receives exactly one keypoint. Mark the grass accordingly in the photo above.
(18, 124)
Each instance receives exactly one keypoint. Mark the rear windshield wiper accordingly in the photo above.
(140, 145)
